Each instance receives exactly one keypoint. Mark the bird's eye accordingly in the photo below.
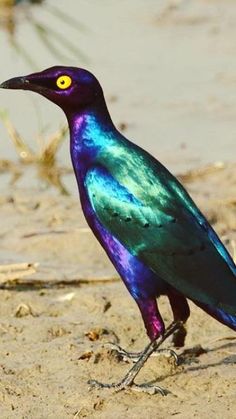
(63, 82)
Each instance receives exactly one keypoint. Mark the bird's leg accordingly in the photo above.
(181, 313)
(128, 381)
(154, 326)
(134, 356)
(156, 332)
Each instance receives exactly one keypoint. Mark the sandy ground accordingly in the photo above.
(52, 345)
(168, 72)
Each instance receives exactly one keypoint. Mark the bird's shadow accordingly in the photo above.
(188, 358)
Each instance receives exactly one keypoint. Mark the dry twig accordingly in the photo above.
(16, 271)
(37, 283)
(13, 276)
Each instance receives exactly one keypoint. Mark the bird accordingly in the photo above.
(152, 231)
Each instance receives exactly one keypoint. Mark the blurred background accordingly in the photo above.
(168, 71)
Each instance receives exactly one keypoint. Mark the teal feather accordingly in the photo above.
(152, 215)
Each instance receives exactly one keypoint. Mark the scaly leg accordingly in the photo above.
(156, 332)
(154, 327)
(128, 380)
(134, 356)
(181, 312)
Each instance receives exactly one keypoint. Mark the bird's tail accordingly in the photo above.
(219, 314)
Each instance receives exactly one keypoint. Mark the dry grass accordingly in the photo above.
(12, 13)
(45, 159)
(201, 172)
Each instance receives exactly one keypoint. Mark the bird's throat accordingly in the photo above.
(90, 132)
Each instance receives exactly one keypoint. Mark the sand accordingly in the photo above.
(54, 339)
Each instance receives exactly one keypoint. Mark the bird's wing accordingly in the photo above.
(179, 246)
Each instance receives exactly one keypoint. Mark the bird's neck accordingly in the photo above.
(90, 131)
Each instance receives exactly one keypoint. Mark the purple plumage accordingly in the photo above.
(154, 234)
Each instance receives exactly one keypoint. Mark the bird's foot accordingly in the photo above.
(144, 388)
(134, 356)
(128, 380)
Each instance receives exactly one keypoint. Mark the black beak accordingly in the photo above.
(16, 83)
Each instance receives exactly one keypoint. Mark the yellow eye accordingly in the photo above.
(63, 82)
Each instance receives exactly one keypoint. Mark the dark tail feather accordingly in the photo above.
(219, 315)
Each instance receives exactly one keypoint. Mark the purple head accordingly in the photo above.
(71, 88)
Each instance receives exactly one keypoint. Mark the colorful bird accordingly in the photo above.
(152, 231)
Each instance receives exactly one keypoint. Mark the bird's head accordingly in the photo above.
(71, 88)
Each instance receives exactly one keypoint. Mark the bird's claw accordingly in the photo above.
(125, 355)
(169, 353)
(150, 389)
(134, 356)
(144, 388)
(128, 381)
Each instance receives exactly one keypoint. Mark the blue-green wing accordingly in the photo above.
(179, 245)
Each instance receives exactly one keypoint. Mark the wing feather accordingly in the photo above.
(178, 244)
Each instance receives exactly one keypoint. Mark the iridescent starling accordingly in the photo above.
(158, 240)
